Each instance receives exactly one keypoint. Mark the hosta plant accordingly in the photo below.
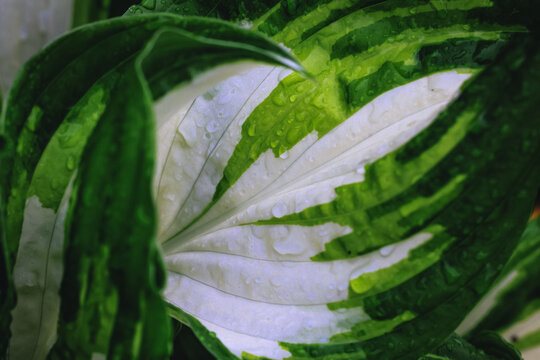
(512, 306)
(162, 165)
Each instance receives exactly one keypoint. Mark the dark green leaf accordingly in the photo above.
(228, 10)
(487, 346)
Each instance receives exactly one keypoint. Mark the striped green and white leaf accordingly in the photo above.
(358, 214)
(301, 220)
(512, 306)
(524, 331)
(80, 132)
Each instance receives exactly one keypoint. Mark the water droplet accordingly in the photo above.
(187, 135)
(278, 100)
(34, 118)
(214, 179)
(387, 250)
(319, 102)
(23, 35)
(360, 269)
(142, 216)
(279, 210)
(55, 184)
(288, 247)
(70, 163)
(258, 231)
(308, 324)
(223, 99)
(343, 286)
(212, 126)
(211, 148)
(451, 274)
(251, 129)
(281, 231)
(253, 154)
(276, 281)
(292, 98)
(149, 4)
(29, 279)
(481, 255)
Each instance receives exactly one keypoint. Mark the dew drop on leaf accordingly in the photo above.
(278, 100)
(251, 129)
(55, 184)
(276, 281)
(70, 163)
(149, 4)
(387, 250)
(279, 210)
(212, 126)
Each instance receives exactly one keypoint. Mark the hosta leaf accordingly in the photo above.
(512, 306)
(263, 275)
(323, 230)
(358, 214)
(86, 94)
